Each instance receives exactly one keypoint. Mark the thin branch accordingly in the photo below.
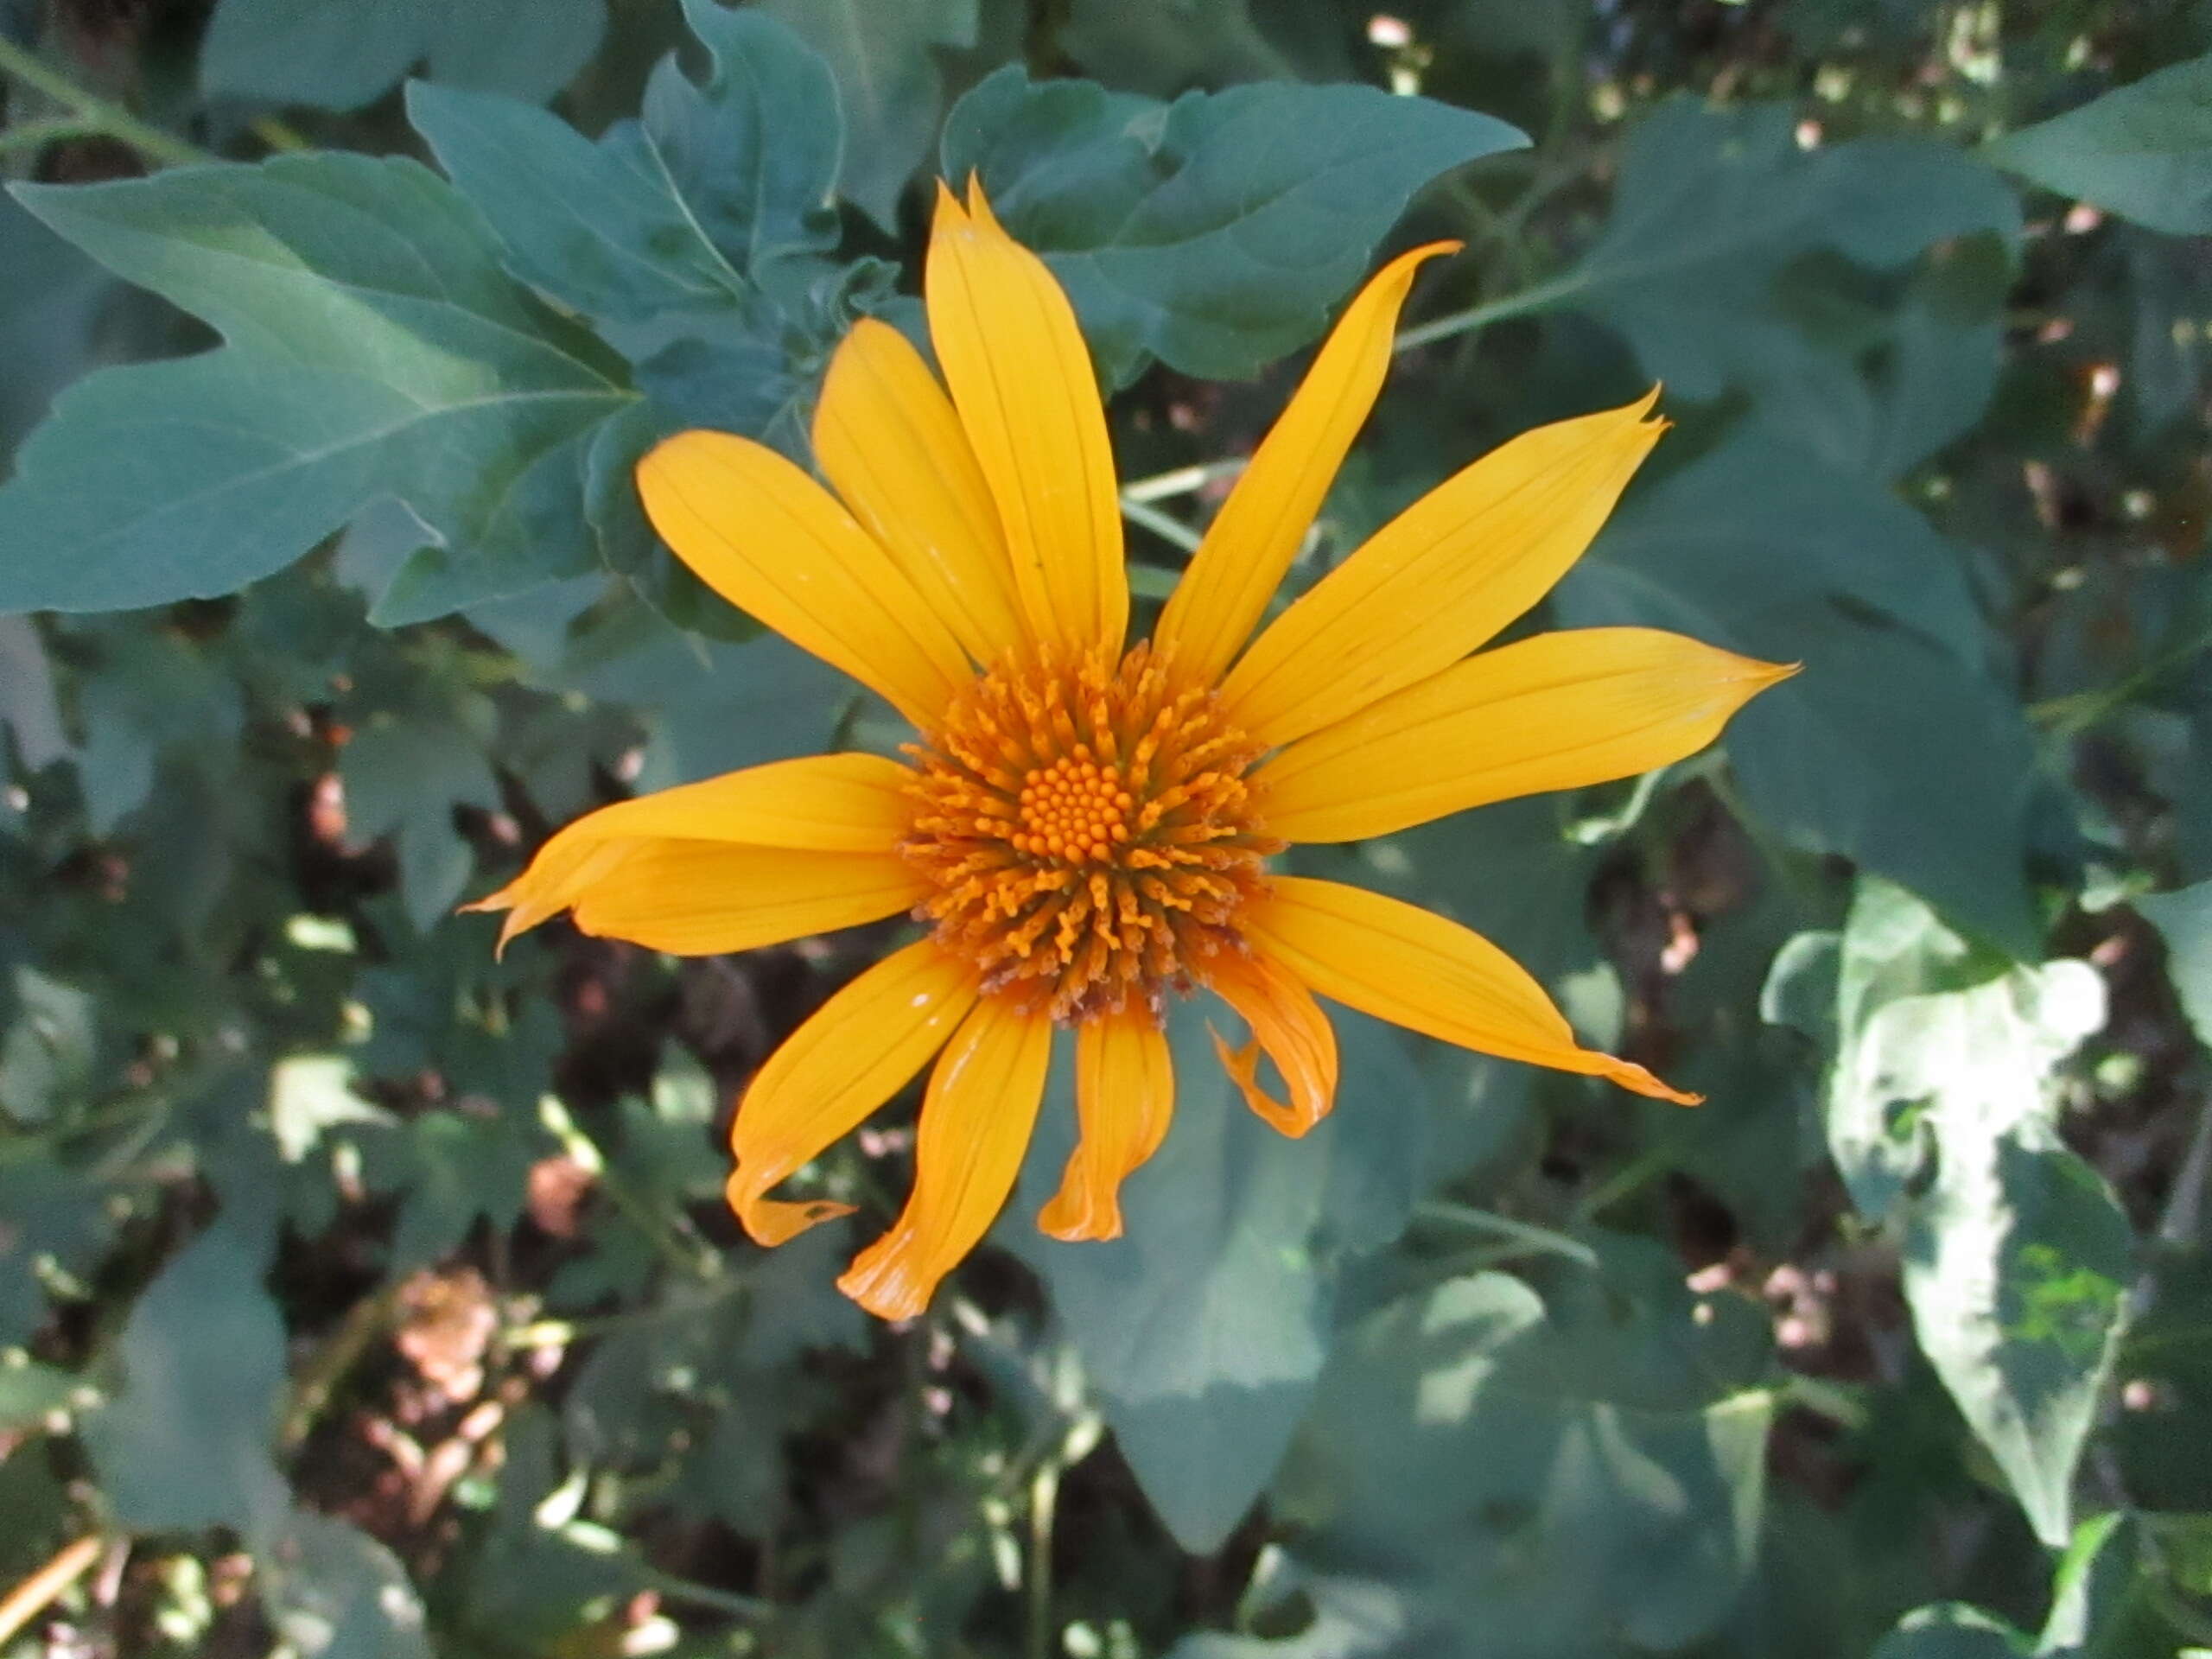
(95, 114)
(1168, 528)
(37, 1592)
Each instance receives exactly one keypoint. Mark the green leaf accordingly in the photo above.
(888, 84)
(154, 696)
(46, 1058)
(334, 1593)
(27, 706)
(403, 777)
(31, 1393)
(1214, 233)
(1712, 205)
(1588, 1478)
(467, 1166)
(48, 1212)
(1163, 46)
(2144, 151)
(1204, 1328)
(598, 227)
(1942, 1117)
(1762, 548)
(676, 211)
(1952, 1631)
(2184, 922)
(186, 1442)
(375, 348)
(340, 54)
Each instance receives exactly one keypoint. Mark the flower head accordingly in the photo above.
(1084, 826)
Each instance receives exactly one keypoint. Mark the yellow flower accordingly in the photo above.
(1087, 830)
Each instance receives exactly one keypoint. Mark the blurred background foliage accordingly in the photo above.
(361, 1295)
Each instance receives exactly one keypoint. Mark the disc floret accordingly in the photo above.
(1088, 828)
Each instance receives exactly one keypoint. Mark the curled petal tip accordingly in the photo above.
(1632, 1077)
(1070, 1227)
(882, 1284)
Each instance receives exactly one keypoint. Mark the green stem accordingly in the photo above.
(1167, 527)
(1542, 296)
(1043, 1499)
(94, 114)
(1520, 1232)
(36, 135)
(1181, 480)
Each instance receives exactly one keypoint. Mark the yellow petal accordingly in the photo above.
(1253, 539)
(1420, 970)
(1124, 1096)
(700, 898)
(975, 1122)
(863, 1046)
(886, 438)
(1022, 381)
(774, 542)
(826, 803)
(1288, 1027)
(1441, 577)
(1558, 711)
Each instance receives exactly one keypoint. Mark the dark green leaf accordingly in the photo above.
(2184, 921)
(403, 777)
(1951, 1630)
(887, 82)
(342, 53)
(186, 1443)
(1763, 548)
(1204, 1328)
(46, 1057)
(376, 348)
(2144, 152)
(1713, 204)
(1600, 1498)
(1214, 233)
(30, 1393)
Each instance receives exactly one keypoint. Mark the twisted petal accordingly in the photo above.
(863, 1046)
(774, 542)
(1558, 711)
(975, 1122)
(1124, 1096)
(1022, 381)
(1419, 970)
(887, 437)
(1253, 539)
(1441, 577)
(1289, 1026)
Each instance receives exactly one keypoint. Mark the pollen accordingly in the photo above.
(1088, 830)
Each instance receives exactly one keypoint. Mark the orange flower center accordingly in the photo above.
(1088, 828)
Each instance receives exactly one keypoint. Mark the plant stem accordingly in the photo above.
(1521, 1232)
(94, 114)
(1043, 1499)
(1539, 298)
(37, 1592)
(1182, 480)
(1168, 528)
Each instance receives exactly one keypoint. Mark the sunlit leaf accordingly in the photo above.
(375, 348)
